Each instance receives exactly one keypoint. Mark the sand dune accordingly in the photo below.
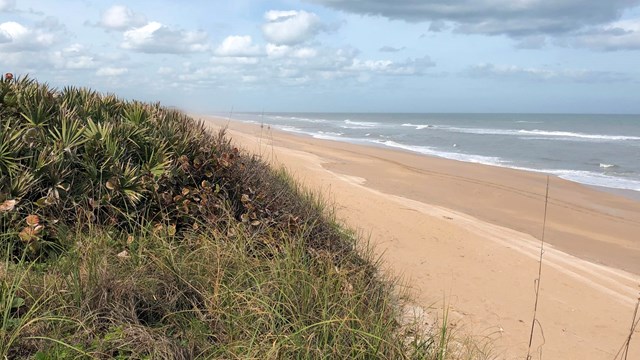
(467, 235)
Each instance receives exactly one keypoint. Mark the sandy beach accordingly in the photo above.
(467, 237)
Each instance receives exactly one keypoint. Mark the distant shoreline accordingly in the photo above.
(322, 135)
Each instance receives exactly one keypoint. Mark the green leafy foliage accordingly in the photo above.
(75, 152)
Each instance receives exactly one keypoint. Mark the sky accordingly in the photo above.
(219, 56)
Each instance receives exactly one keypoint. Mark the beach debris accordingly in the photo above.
(124, 254)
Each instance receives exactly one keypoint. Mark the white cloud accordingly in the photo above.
(532, 42)
(165, 70)
(371, 65)
(74, 57)
(305, 53)
(5, 37)
(156, 38)
(289, 73)
(280, 51)
(277, 51)
(250, 79)
(275, 15)
(238, 46)
(620, 35)
(6, 5)
(545, 74)
(492, 17)
(237, 60)
(26, 62)
(290, 27)
(119, 17)
(112, 71)
(16, 37)
(387, 67)
(203, 74)
(391, 49)
(13, 30)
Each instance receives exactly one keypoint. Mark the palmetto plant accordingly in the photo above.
(10, 148)
(119, 160)
(68, 135)
(36, 102)
(76, 154)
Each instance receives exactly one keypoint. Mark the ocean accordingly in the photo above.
(598, 150)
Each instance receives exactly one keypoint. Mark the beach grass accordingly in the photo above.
(128, 231)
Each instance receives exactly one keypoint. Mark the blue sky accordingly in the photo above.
(540, 56)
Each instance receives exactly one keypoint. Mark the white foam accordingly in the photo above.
(589, 178)
(607, 166)
(578, 135)
(292, 129)
(579, 176)
(330, 133)
(541, 134)
(418, 126)
(360, 124)
(320, 135)
(298, 119)
(479, 159)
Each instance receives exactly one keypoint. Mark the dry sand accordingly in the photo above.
(467, 236)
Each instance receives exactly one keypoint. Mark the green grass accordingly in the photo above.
(128, 231)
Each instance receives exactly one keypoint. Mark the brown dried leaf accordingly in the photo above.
(33, 220)
(111, 184)
(38, 229)
(157, 228)
(27, 234)
(8, 205)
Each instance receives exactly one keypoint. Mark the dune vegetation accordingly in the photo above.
(129, 231)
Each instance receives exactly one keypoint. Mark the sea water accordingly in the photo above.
(599, 150)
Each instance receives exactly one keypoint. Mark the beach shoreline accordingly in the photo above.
(615, 200)
(470, 232)
(576, 148)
